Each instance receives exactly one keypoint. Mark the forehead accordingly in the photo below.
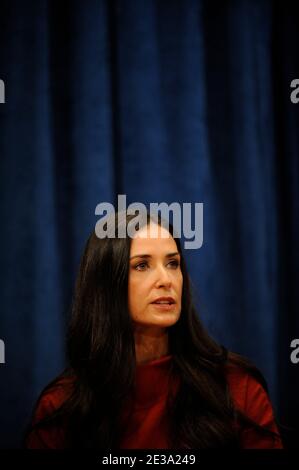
(153, 239)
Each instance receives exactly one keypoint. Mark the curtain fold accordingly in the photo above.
(162, 101)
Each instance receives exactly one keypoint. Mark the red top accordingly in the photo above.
(146, 426)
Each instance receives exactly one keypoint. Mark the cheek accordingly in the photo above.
(180, 291)
(136, 296)
(179, 283)
(139, 286)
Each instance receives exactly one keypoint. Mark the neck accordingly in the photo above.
(150, 344)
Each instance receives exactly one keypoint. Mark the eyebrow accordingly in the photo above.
(169, 255)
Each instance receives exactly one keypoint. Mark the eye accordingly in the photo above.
(141, 266)
(174, 263)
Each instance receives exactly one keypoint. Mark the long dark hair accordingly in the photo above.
(101, 356)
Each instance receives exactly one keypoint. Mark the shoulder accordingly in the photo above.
(248, 394)
(251, 399)
(53, 397)
(44, 433)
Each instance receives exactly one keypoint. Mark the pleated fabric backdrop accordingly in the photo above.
(185, 101)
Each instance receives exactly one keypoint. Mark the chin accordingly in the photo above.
(165, 322)
(158, 321)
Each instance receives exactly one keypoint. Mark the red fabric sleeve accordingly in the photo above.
(49, 436)
(252, 400)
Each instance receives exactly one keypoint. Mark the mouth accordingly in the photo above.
(164, 303)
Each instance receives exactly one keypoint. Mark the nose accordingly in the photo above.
(163, 278)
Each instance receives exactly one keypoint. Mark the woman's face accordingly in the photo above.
(155, 279)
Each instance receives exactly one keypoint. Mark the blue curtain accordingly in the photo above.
(172, 100)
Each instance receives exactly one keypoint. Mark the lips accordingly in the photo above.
(164, 301)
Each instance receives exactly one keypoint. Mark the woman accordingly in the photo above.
(143, 372)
